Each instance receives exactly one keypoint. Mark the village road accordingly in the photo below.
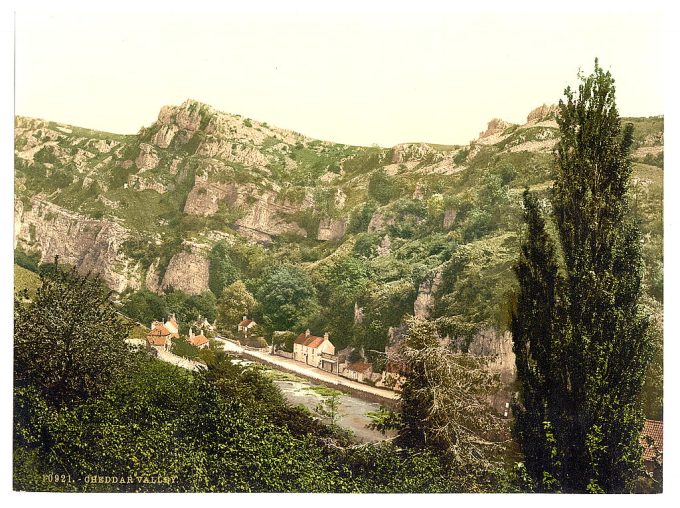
(311, 372)
(185, 363)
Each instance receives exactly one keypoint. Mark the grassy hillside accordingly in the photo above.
(25, 280)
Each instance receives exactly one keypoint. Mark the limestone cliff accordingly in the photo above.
(497, 345)
(424, 303)
(188, 272)
(91, 245)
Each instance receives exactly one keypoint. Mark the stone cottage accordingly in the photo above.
(316, 351)
(200, 340)
(159, 338)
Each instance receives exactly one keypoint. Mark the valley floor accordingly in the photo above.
(314, 374)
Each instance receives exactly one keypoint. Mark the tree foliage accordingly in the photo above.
(443, 401)
(380, 187)
(222, 271)
(580, 337)
(287, 298)
(68, 340)
(234, 303)
(145, 307)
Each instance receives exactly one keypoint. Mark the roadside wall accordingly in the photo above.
(370, 397)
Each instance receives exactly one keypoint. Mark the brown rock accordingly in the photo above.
(147, 158)
(91, 245)
(188, 272)
(331, 229)
(543, 112)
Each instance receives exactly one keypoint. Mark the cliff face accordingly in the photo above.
(92, 245)
(425, 300)
(187, 271)
(497, 346)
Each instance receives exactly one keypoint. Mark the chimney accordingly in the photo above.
(325, 336)
(191, 333)
(200, 332)
(307, 332)
(245, 317)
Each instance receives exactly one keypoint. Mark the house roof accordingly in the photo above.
(199, 340)
(309, 340)
(245, 322)
(156, 341)
(653, 429)
(158, 331)
(359, 366)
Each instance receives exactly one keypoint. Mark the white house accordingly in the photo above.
(358, 371)
(172, 326)
(316, 351)
(245, 325)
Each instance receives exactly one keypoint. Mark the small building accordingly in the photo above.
(172, 326)
(159, 338)
(309, 349)
(202, 323)
(651, 440)
(245, 325)
(358, 371)
(200, 340)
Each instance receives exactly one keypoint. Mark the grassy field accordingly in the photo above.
(25, 279)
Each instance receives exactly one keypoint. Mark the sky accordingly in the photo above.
(352, 77)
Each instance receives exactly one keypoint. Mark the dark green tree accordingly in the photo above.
(287, 299)
(222, 271)
(68, 340)
(579, 332)
(380, 187)
(145, 307)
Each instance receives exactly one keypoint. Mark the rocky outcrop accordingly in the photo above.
(152, 281)
(225, 149)
(264, 216)
(494, 127)
(331, 229)
(138, 182)
(358, 314)
(379, 221)
(541, 113)
(188, 272)
(165, 135)
(497, 346)
(385, 247)
(424, 302)
(147, 158)
(449, 218)
(91, 245)
(407, 152)
(205, 198)
(264, 220)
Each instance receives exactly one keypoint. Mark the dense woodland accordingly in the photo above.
(224, 429)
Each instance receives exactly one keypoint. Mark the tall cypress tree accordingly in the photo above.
(579, 334)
